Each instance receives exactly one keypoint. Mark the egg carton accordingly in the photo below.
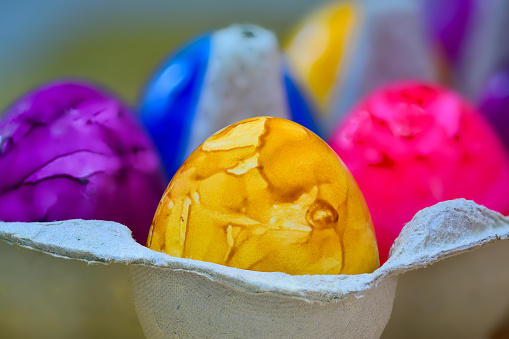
(80, 278)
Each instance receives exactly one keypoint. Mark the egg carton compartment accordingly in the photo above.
(43, 296)
(70, 294)
(461, 297)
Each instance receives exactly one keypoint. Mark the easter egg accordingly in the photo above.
(215, 80)
(266, 194)
(317, 47)
(346, 49)
(449, 26)
(410, 145)
(494, 102)
(448, 23)
(71, 151)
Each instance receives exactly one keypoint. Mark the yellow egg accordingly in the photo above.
(266, 194)
(317, 47)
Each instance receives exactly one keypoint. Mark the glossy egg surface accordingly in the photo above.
(69, 150)
(411, 145)
(266, 194)
(215, 80)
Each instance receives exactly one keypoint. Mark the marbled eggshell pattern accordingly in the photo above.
(411, 145)
(266, 194)
(71, 151)
(218, 79)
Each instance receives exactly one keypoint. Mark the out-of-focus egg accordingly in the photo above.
(348, 48)
(218, 79)
(316, 48)
(484, 49)
(70, 151)
(266, 194)
(411, 145)
(448, 23)
(494, 102)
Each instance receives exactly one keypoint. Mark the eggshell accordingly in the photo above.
(494, 102)
(187, 298)
(448, 23)
(318, 47)
(345, 50)
(266, 194)
(410, 145)
(215, 80)
(69, 150)
(484, 48)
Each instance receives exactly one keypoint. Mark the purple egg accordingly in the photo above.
(70, 151)
(494, 102)
(448, 23)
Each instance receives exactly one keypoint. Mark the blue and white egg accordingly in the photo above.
(216, 80)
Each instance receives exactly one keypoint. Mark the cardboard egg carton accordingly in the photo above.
(87, 277)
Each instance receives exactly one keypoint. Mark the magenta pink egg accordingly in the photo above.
(411, 145)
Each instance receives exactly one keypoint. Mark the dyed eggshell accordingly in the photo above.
(316, 48)
(348, 48)
(494, 102)
(215, 80)
(411, 145)
(448, 23)
(266, 194)
(70, 151)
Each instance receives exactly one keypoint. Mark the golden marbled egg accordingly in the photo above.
(266, 194)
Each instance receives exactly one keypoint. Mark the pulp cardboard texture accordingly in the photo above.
(45, 297)
(183, 298)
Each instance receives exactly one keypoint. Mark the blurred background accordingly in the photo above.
(117, 43)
